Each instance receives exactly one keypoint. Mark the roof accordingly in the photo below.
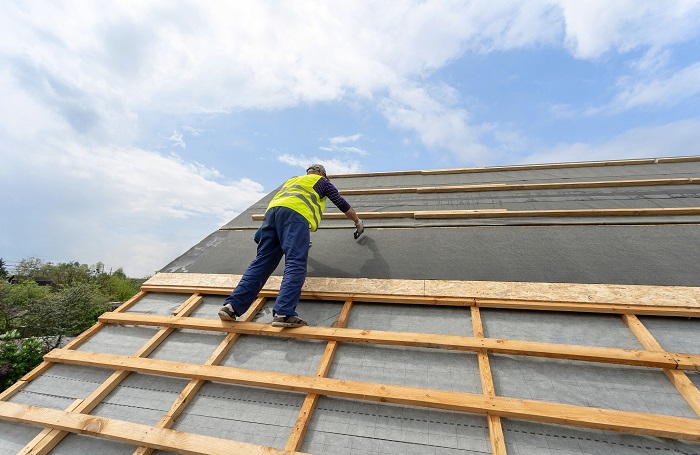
(530, 309)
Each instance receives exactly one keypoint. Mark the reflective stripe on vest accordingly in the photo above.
(299, 195)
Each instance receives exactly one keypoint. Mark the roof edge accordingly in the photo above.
(520, 167)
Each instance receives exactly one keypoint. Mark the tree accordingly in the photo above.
(29, 266)
(3, 269)
(18, 357)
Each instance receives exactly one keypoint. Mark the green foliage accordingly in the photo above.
(17, 357)
(34, 318)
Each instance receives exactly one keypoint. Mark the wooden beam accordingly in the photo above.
(678, 378)
(498, 444)
(191, 389)
(555, 413)
(129, 433)
(307, 408)
(520, 186)
(450, 342)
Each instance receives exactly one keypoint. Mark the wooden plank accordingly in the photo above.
(659, 310)
(556, 185)
(129, 433)
(191, 389)
(678, 378)
(561, 414)
(460, 290)
(307, 408)
(464, 214)
(521, 186)
(620, 356)
(498, 444)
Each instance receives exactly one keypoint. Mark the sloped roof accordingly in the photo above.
(530, 309)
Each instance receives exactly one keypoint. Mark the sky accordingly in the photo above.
(131, 130)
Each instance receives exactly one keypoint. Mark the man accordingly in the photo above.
(295, 209)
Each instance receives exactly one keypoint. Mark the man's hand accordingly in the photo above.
(359, 228)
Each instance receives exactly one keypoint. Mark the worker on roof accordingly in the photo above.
(293, 212)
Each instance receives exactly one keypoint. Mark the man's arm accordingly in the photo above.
(325, 188)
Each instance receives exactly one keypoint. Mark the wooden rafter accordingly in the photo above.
(307, 408)
(498, 443)
(678, 378)
(670, 360)
(556, 413)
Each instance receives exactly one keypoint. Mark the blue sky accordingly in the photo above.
(130, 130)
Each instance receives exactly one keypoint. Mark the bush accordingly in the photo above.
(18, 357)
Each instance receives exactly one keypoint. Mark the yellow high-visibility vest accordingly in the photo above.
(298, 194)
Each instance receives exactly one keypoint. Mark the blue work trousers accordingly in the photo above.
(284, 232)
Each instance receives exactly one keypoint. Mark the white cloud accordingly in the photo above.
(345, 139)
(177, 140)
(594, 27)
(667, 91)
(437, 125)
(333, 166)
(670, 139)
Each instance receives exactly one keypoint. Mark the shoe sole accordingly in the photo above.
(225, 317)
(286, 324)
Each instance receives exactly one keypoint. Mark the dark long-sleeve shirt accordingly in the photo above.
(325, 188)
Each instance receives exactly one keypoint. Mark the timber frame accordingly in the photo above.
(625, 301)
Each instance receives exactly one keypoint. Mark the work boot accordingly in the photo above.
(287, 321)
(227, 313)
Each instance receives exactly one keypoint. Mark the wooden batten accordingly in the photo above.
(670, 360)
(561, 414)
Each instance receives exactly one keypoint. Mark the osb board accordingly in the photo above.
(671, 296)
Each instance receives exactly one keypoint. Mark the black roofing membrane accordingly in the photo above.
(650, 255)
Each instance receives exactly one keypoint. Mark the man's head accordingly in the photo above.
(316, 169)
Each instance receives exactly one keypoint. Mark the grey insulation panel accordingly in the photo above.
(674, 334)
(349, 427)
(534, 438)
(243, 414)
(597, 385)
(15, 436)
(159, 303)
(651, 255)
(118, 339)
(141, 398)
